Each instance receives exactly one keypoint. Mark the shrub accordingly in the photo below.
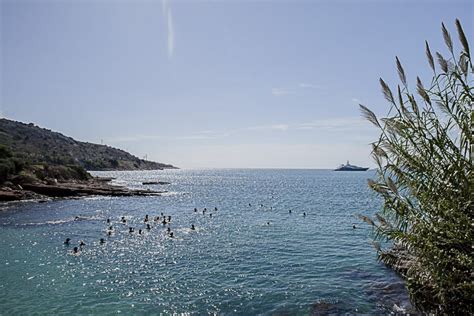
(424, 176)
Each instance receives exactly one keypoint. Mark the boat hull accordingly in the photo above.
(351, 169)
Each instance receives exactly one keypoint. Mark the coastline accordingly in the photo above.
(43, 191)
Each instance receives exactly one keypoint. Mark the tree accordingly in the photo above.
(424, 176)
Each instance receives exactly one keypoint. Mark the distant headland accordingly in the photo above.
(36, 162)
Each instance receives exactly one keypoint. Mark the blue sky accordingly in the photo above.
(271, 84)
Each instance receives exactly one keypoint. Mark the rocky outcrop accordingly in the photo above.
(54, 189)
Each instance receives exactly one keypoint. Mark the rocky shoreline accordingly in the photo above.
(68, 189)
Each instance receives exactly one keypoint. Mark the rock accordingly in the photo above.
(155, 182)
(324, 308)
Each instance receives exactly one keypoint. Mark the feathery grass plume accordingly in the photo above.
(462, 38)
(442, 62)
(386, 91)
(424, 178)
(381, 220)
(463, 64)
(369, 115)
(392, 185)
(429, 56)
(366, 219)
(401, 72)
(422, 91)
(447, 38)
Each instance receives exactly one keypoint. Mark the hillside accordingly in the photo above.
(39, 145)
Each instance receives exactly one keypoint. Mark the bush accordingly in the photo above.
(424, 176)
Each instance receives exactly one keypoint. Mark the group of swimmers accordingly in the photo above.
(163, 219)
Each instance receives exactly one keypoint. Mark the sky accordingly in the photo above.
(216, 84)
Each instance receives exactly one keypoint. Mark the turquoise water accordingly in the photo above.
(233, 263)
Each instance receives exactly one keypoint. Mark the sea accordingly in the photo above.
(270, 242)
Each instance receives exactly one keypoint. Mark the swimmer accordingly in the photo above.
(289, 212)
(168, 230)
(195, 209)
(192, 227)
(268, 223)
(124, 220)
(354, 227)
(109, 233)
(203, 211)
(108, 220)
(102, 241)
(148, 226)
(250, 204)
(215, 209)
(139, 231)
(146, 218)
(67, 241)
(111, 228)
(75, 251)
(157, 219)
(82, 243)
(164, 221)
(130, 230)
(171, 235)
(169, 218)
(162, 214)
(304, 214)
(210, 215)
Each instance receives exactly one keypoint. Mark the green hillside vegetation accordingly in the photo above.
(31, 144)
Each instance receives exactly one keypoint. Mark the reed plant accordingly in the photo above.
(424, 177)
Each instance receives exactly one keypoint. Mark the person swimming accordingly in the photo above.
(82, 243)
(169, 218)
(268, 223)
(67, 241)
(195, 209)
(111, 227)
(250, 204)
(109, 233)
(203, 211)
(162, 214)
(210, 214)
(168, 229)
(289, 212)
(171, 234)
(157, 219)
(164, 221)
(139, 231)
(108, 220)
(75, 251)
(130, 230)
(354, 227)
(124, 220)
(146, 218)
(304, 214)
(148, 226)
(215, 209)
(102, 241)
(192, 227)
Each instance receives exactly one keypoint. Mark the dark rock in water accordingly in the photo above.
(324, 308)
(155, 182)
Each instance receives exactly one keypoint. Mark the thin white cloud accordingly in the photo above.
(276, 127)
(336, 124)
(170, 27)
(352, 125)
(310, 86)
(278, 92)
(355, 100)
